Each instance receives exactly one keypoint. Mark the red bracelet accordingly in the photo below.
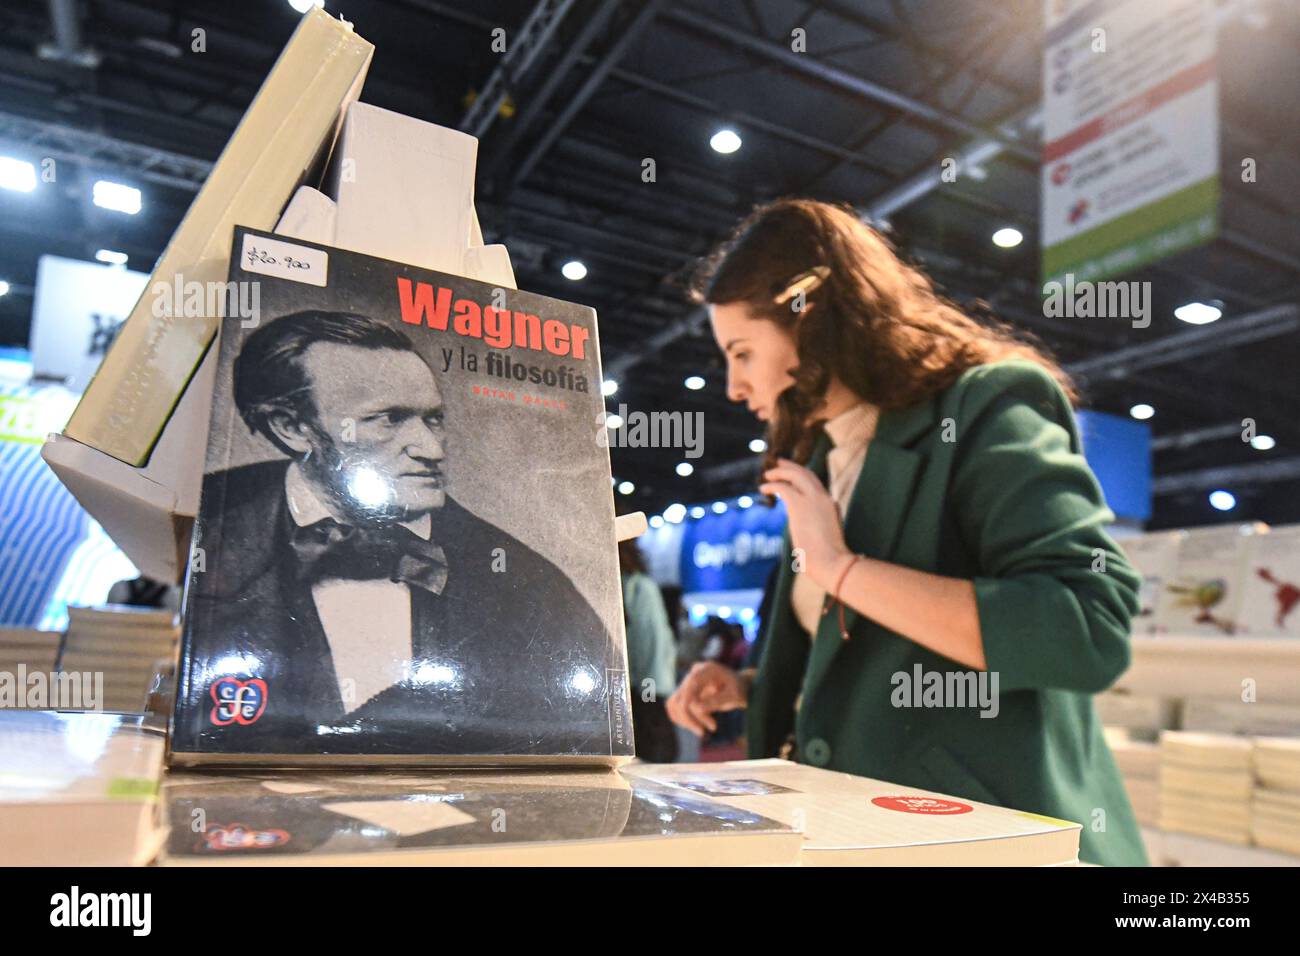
(844, 631)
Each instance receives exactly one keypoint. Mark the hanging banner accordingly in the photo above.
(1131, 134)
(731, 551)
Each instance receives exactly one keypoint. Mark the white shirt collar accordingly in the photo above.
(306, 508)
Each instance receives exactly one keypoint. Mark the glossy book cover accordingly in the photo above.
(405, 545)
(457, 818)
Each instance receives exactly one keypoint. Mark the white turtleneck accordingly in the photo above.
(850, 433)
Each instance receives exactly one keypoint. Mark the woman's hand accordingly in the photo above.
(814, 519)
(706, 689)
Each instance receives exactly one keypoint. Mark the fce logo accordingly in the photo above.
(103, 909)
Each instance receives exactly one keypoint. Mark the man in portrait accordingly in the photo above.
(377, 613)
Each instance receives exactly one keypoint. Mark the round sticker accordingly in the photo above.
(921, 805)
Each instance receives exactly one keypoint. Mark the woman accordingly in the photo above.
(651, 656)
(952, 598)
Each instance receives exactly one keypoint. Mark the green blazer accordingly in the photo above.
(985, 481)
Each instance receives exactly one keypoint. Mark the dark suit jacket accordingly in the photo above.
(513, 661)
(1009, 502)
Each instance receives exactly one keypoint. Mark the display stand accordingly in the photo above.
(149, 511)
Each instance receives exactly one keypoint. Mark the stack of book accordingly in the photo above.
(856, 821)
(1139, 765)
(129, 646)
(78, 789)
(26, 651)
(1236, 579)
(1275, 810)
(1143, 716)
(1205, 785)
(1251, 719)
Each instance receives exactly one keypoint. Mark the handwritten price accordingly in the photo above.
(256, 255)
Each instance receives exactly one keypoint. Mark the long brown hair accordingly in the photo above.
(867, 318)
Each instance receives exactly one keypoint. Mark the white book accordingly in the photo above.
(285, 135)
(1155, 556)
(1204, 597)
(404, 189)
(309, 216)
(1206, 751)
(1270, 601)
(848, 820)
(77, 789)
(1240, 717)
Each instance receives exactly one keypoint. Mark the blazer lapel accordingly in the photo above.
(881, 499)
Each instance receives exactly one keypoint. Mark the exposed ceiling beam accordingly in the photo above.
(1249, 473)
(725, 33)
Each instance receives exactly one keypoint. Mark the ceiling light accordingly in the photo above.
(656, 521)
(626, 487)
(16, 174)
(757, 445)
(1142, 411)
(1222, 500)
(685, 468)
(1197, 313)
(694, 383)
(719, 507)
(697, 512)
(675, 513)
(118, 197)
(608, 387)
(613, 421)
(1262, 442)
(745, 501)
(573, 270)
(725, 141)
(1008, 238)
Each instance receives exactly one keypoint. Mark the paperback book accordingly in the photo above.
(405, 546)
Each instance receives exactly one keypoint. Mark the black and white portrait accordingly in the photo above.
(343, 598)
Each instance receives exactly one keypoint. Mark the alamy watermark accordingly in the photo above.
(922, 688)
(1101, 300)
(633, 429)
(194, 300)
(53, 690)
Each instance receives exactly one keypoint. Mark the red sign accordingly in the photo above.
(922, 805)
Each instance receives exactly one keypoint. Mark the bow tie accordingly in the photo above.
(330, 549)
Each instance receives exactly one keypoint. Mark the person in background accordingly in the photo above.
(145, 592)
(651, 657)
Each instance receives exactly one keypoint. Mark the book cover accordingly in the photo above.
(1155, 556)
(1204, 596)
(405, 545)
(1270, 600)
(848, 820)
(457, 818)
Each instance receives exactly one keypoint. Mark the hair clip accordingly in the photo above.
(804, 282)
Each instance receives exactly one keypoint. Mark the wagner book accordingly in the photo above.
(458, 818)
(405, 546)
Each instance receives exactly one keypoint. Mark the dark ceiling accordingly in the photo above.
(885, 91)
